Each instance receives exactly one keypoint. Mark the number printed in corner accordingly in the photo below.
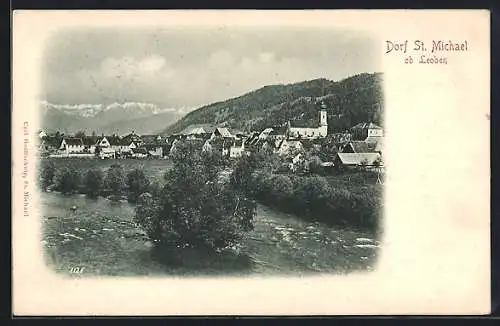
(76, 270)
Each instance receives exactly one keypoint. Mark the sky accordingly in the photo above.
(188, 68)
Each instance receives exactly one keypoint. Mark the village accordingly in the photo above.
(361, 146)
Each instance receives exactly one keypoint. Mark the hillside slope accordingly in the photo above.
(352, 100)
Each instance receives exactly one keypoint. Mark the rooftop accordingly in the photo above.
(366, 125)
(358, 158)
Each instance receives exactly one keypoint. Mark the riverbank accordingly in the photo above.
(344, 200)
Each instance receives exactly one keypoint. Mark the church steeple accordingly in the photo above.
(322, 115)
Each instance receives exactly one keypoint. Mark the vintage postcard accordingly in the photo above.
(322, 162)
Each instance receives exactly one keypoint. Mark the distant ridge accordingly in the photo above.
(350, 101)
(119, 118)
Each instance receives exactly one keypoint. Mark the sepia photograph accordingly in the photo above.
(246, 162)
(211, 150)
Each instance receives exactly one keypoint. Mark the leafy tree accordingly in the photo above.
(115, 180)
(66, 180)
(47, 172)
(282, 190)
(93, 182)
(137, 183)
(311, 192)
(194, 209)
(257, 160)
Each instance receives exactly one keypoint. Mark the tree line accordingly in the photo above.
(94, 182)
(308, 196)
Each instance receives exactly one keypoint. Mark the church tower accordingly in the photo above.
(323, 121)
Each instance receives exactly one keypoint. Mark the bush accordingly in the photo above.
(137, 183)
(246, 165)
(193, 208)
(115, 180)
(66, 180)
(281, 191)
(310, 193)
(314, 198)
(93, 182)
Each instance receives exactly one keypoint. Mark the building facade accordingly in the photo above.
(318, 131)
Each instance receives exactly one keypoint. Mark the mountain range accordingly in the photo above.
(352, 100)
(119, 118)
(355, 99)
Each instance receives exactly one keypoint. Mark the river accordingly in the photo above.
(99, 238)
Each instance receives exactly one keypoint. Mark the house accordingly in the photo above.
(111, 143)
(107, 152)
(151, 139)
(295, 145)
(102, 142)
(269, 145)
(115, 143)
(130, 142)
(154, 150)
(339, 138)
(238, 134)
(220, 145)
(195, 130)
(221, 132)
(363, 130)
(139, 152)
(285, 147)
(358, 147)
(153, 144)
(89, 143)
(265, 133)
(347, 161)
(252, 141)
(127, 145)
(237, 148)
(70, 145)
(316, 130)
(49, 144)
(278, 133)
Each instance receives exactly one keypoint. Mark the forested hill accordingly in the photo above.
(350, 101)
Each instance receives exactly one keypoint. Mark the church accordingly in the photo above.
(318, 131)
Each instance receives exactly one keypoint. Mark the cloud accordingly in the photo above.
(137, 108)
(172, 68)
(128, 67)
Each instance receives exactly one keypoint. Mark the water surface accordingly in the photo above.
(100, 237)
